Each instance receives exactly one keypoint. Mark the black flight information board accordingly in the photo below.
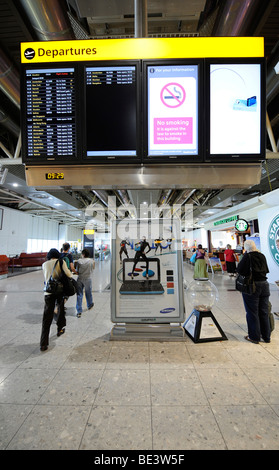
(111, 112)
(50, 114)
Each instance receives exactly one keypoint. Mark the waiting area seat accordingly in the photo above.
(4, 262)
(28, 260)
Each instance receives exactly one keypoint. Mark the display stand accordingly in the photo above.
(214, 265)
(152, 332)
(201, 327)
(147, 298)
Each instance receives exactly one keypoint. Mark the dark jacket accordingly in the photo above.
(259, 265)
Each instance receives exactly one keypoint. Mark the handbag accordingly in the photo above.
(193, 257)
(69, 284)
(245, 284)
(54, 286)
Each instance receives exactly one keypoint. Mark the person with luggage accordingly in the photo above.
(200, 270)
(51, 267)
(257, 303)
(68, 257)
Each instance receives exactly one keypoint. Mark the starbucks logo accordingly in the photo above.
(273, 239)
(29, 53)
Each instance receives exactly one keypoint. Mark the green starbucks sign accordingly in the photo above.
(273, 239)
(241, 225)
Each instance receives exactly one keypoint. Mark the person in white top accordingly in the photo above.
(50, 299)
(84, 266)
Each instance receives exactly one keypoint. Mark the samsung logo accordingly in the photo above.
(167, 310)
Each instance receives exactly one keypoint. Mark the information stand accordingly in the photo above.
(147, 299)
(202, 326)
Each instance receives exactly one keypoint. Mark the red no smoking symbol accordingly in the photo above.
(173, 95)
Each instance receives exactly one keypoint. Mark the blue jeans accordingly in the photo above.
(87, 285)
(256, 306)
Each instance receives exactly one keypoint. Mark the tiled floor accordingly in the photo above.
(87, 392)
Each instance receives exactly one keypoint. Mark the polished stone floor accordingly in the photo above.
(90, 393)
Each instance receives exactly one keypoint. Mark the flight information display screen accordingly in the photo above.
(172, 110)
(111, 111)
(50, 114)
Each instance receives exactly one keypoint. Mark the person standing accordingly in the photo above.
(50, 299)
(200, 270)
(84, 266)
(230, 260)
(256, 304)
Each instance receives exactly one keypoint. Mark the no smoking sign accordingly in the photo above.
(173, 95)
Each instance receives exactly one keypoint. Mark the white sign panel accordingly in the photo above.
(235, 109)
(269, 233)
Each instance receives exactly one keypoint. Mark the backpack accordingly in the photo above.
(66, 259)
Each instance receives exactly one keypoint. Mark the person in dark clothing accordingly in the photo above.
(50, 299)
(141, 254)
(123, 248)
(68, 257)
(256, 304)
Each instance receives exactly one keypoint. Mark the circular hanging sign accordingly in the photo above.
(273, 239)
(241, 225)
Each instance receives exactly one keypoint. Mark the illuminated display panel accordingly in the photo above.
(111, 112)
(235, 112)
(173, 100)
(49, 114)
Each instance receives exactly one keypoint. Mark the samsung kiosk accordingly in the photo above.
(147, 298)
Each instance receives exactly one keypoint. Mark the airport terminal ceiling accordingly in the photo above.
(23, 21)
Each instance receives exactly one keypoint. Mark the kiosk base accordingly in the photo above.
(148, 332)
(202, 326)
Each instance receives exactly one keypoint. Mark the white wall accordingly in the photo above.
(26, 233)
(220, 239)
(196, 237)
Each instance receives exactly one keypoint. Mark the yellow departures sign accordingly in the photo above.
(142, 48)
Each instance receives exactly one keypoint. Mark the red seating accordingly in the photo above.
(26, 260)
(4, 261)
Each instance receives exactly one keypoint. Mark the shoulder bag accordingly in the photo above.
(245, 284)
(54, 286)
(193, 257)
(69, 284)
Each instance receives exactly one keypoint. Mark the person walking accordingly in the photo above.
(68, 257)
(52, 267)
(230, 260)
(84, 266)
(256, 304)
(200, 270)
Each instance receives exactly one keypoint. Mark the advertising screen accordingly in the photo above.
(111, 101)
(146, 271)
(49, 114)
(236, 111)
(172, 110)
